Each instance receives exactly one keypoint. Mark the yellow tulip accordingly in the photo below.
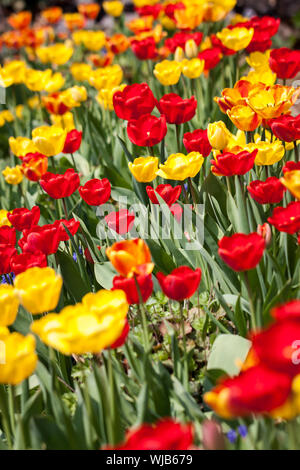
(179, 54)
(14, 175)
(168, 72)
(144, 169)
(20, 146)
(105, 96)
(192, 68)
(244, 118)
(57, 54)
(179, 166)
(49, 140)
(54, 83)
(6, 79)
(38, 289)
(9, 305)
(73, 96)
(191, 16)
(107, 77)
(16, 70)
(291, 181)
(268, 153)
(34, 102)
(236, 38)
(265, 76)
(3, 218)
(191, 49)
(106, 302)
(87, 327)
(258, 60)
(80, 71)
(113, 8)
(143, 3)
(271, 102)
(36, 80)
(65, 121)
(92, 40)
(218, 135)
(18, 358)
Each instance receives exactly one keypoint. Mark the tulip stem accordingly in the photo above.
(112, 396)
(185, 360)
(178, 138)
(74, 163)
(192, 191)
(141, 309)
(296, 151)
(11, 406)
(250, 298)
(5, 417)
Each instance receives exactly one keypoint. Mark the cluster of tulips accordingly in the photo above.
(144, 341)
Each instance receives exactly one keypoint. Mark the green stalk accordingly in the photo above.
(250, 298)
(185, 361)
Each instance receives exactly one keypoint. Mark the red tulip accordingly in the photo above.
(128, 285)
(286, 219)
(291, 166)
(268, 24)
(24, 218)
(72, 225)
(229, 164)
(177, 211)
(197, 141)
(274, 346)
(60, 186)
(134, 101)
(122, 338)
(6, 254)
(120, 221)
(179, 40)
(95, 192)
(265, 231)
(181, 284)
(24, 261)
(177, 110)
(285, 62)
(258, 389)
(43, 239)
(216, 42)
(260, 42)
(289, 310)
(147, 130)
(166, 434)
(242, 252)
(144, 49)
(267, 192)
(7, 235)
(73, 141)
(34, 166)
(54, 104)
(88, 255)
(286, 127)
(170, 9)
(149, 10)
(168, 193)
(211, 57)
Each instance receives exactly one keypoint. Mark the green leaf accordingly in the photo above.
(227, 352)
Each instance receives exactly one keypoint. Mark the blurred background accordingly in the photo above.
(287, 10)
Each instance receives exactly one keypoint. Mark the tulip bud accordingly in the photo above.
(213, 438)
(191, 49)
(179, 54)
(218, 135)
(265, 232)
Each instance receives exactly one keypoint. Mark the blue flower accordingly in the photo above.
(243, 430)
(232, 436)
